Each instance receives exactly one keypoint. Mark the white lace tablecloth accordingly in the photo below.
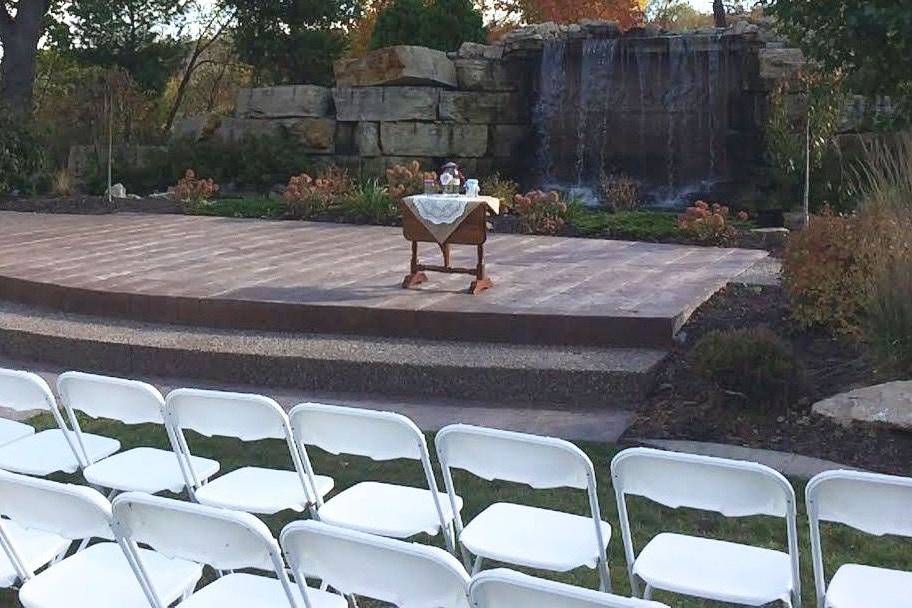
(442, 214)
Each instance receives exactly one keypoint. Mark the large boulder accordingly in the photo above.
(474, 50)
(433, 139)
(508, 141)
(317, 135)
(889, 404)
(196, 128)
(484, 75)
(367, 139)
(386, 103)
(479, 107)
(292, 101)
(397, 65)
(780, 64)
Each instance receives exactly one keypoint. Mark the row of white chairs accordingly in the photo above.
(504, 532)
(151, 551)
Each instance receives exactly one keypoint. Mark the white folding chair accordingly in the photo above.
(408, 575)
(248, 418)
(100, 576)
(871, 503)
(508, 589)
(225, 540)
(11, 430)
(374, 507)
(141, 469)
(517, 534)
(52, 450)
(701, 567)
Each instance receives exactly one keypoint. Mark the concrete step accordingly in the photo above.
(603, 425)
(576, 378)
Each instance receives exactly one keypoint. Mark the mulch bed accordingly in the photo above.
(87, 205)
(683, 406)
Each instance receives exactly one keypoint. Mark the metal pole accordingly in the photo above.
(807, 167)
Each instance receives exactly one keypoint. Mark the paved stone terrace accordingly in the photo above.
(329, 277)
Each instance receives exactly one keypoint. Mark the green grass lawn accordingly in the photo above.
(841, 544)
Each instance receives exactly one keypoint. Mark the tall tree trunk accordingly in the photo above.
(719, 13)
(20, 36)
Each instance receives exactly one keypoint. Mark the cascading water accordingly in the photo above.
(656, 109)
(552, 89)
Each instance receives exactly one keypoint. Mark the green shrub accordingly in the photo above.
(884, 178)
(831, 268)
(254, 164)
(619, 192)
(636, 225)
(438, 24)
(755, 363)
(255, 208)
(888, 320)
(370, 203)
(500, 188)
(22, 160)
(541, 212)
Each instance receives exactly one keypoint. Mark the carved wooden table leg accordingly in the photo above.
(482, 281)
(415, 277)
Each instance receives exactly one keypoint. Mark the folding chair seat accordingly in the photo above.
(871, 503)
(517, 534)
(36, 549)
(142, 469)
(703, 567)
(52, 450)
(407, 575)
(508, 589)
(224, 540)
(11, 430)
(100, 576)
(381, 436)
(248, 418)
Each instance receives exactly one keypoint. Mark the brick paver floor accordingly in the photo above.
(361, 265)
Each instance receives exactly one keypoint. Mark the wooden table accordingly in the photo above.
(471, 230)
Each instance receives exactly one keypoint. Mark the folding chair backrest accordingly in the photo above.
(128, 401)
(240, 415)
(24, 391)
(405, 574)
(869, 502)
(223, 539)
(730, 487)
(358, 432)
(539, 462)
(70, 511)
(508, 589)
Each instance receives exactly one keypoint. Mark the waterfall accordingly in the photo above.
(596, 87)
(654, 108)
(552, 89)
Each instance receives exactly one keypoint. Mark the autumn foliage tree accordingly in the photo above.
(628, 13)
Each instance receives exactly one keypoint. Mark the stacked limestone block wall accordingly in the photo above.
(393, 106)
(548, 103)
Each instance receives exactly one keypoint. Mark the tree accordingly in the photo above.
(293, 41)
(214, 26)
(438, 24)
(21, 25)
(130, 34)
(628, 13)
(868, 40)
(719, 13)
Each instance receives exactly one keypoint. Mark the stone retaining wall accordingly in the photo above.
(479, 106)
(392, 106)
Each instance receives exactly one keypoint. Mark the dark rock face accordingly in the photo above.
(675, 112)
